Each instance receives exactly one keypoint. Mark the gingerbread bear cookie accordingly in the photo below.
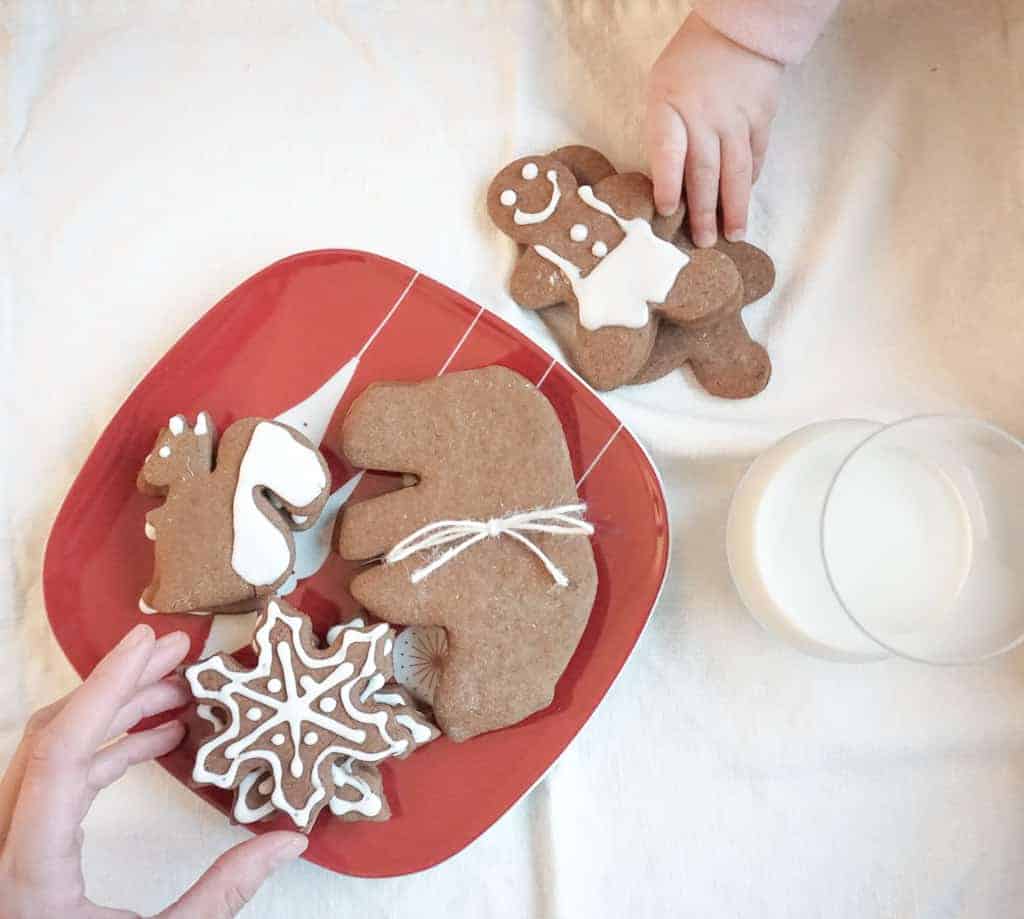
(306, 727)
(593, 242)
(223, 535)
(489, 544)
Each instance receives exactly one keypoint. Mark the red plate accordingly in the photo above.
(268, 345)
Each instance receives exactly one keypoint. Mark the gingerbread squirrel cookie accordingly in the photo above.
(223, 535)
(592, 242)
(489, 544)
(300, 730)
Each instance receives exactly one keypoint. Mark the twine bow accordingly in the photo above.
(565, 520)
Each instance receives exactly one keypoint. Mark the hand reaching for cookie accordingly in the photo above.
(74, 748)
(710, 105)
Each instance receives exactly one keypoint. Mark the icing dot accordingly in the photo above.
(508, 197)
(274, 685)
(328, 705)
(254, 714)
(277, 740)
(177, 425)
(311, 738)
(530, 171)
(552, 175)
(150, 531)
(578, 233)
(599, 249)
(265, 787)
(165, 451)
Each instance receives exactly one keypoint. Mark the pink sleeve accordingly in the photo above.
(783, 30)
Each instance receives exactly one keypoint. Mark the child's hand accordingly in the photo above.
(710, 105)
(70, 752)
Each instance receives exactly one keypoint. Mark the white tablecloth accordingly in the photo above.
(154, 156)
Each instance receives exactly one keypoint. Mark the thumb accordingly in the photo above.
(234, 878)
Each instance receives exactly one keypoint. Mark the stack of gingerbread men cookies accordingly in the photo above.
(621, 288)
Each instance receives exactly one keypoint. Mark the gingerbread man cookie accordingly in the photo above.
(488, 545)
(600, 249)
(223, 535)
(289, 731)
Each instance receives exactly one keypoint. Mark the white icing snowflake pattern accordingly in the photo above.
(280, 713)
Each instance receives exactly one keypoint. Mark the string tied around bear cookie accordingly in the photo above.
(460, 535)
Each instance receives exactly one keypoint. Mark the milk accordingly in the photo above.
(897, 537)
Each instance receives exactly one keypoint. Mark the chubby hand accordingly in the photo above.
(710, 105)
(76, 747)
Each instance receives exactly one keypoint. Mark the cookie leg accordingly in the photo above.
(727, 361)
(606, 358)
(671, 350)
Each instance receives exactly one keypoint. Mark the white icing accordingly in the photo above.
(177, 425)
(313, 546)
(530, 171)
(207, 713)
(274, 685)
(641, 269)
(599, 249)
(420, 732)
(522, 217)
(164, 451)
(243, 813)
(578, 232)
(277, 462)
(369, 803)
(375, 683)
(328, 705)
(254, 714)
(311, 738)
(307, 682)
(508, 197)
(388, 646)
(144, 607)
(389, 698)
(300, 518)
(150, 530)
(202, 427)
(296, 709)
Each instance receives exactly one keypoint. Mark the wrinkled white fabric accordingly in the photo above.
(155, 154)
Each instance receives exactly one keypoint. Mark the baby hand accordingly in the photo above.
(77, 746)
(710, 105)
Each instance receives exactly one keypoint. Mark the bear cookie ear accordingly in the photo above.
(526, 194)
(180, 452)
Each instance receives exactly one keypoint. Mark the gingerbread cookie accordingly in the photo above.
(223, 536)
(592, 241)
(490, 543)
(289, 732)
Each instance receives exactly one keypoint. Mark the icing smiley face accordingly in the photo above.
(524, 198)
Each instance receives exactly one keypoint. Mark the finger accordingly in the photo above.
(151, 700)
(666, 149)
(168, 652)
(85, 720)
(758, 148)
(115, 760)
(736, 177)
(235, 877)
(702, 169)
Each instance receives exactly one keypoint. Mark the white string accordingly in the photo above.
(563, 521)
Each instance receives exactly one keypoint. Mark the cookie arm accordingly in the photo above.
(629, 194)
(536, 283)
(710, 285)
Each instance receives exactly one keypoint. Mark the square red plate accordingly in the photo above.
(268, 345)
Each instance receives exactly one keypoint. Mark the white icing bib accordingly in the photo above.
(639, 270)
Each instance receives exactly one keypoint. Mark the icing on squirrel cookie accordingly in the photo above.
(608, 273)
(301, 712)
(223, 535)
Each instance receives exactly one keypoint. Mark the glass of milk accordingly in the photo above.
(856, 540)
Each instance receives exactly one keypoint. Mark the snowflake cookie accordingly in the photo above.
(296, 732)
